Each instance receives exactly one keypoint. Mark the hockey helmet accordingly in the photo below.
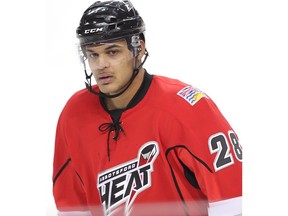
(105, 21)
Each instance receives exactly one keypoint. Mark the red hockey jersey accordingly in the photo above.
(170, 153)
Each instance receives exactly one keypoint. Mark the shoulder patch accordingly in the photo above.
(191, 95)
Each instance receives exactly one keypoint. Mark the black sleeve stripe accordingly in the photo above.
(176, 185)
(174, 177)
(189, 175)
(182, 146)
(79, 177)
(61, 170)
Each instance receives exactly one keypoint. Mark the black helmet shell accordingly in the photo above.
(109, 20)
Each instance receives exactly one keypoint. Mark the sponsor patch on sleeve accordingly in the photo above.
(191, 94)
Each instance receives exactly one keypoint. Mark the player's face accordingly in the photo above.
(111, 64)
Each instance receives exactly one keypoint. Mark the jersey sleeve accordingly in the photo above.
(68, 191)
(211, 151)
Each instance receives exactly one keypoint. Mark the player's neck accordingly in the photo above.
(123, 100)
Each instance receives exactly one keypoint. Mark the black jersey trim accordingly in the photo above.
(61, 170)
(141, 91)
(176, 184)
(79, 177)
(189, 176)
(116, 114)
(197, 158)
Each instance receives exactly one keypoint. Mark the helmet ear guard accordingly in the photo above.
(134, 45)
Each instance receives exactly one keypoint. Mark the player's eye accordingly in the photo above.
(113, 52)
(92, 55)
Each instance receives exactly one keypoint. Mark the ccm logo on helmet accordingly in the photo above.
(94, 30)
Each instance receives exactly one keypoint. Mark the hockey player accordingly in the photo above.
(136, 143)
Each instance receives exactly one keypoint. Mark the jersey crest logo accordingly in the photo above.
(118, 187)
(191, 95)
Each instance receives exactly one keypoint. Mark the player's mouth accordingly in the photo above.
(104, 79)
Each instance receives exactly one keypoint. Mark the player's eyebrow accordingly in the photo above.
(112, 46)
(107, 48)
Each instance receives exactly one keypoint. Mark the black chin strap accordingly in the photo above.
(88, 82)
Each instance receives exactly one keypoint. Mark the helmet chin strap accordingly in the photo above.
(88, 82)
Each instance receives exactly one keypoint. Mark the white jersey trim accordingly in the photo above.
(74, 213)
(229, 207)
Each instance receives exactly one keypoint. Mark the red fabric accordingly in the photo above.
(170, 130)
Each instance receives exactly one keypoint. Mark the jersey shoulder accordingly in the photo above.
(80, 102)
(178, 93)
(184, 101)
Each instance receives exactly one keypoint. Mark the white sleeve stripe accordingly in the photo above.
(229, 207)
(74, 213)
